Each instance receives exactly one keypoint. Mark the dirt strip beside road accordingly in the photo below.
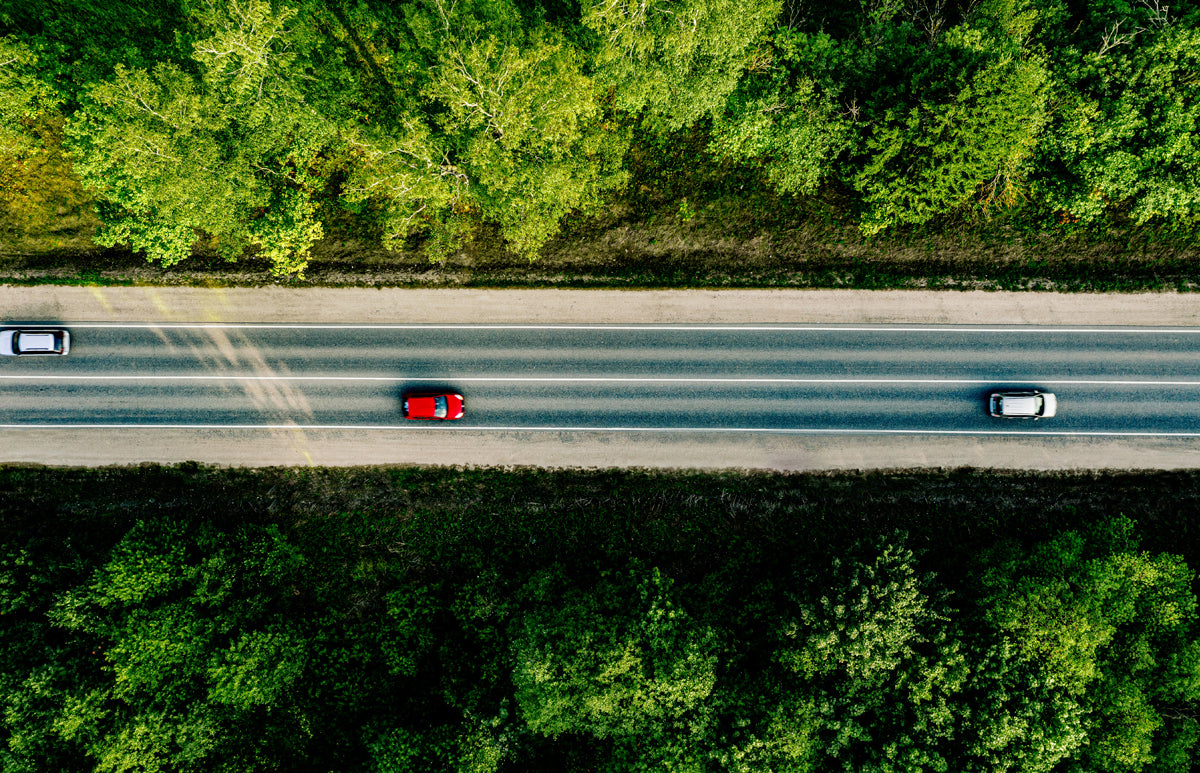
(366, 305)
(248, 448)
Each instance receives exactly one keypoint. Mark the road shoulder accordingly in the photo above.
(541, 306)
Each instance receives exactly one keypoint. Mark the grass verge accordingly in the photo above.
(677, 516)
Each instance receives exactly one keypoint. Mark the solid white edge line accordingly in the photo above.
(781, 327)
(611, 379)
(722, 430)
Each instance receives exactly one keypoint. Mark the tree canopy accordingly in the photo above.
(262, 124)
(450, 622)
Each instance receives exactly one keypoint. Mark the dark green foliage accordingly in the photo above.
(80, 41)
(618, 660)
(427, 620)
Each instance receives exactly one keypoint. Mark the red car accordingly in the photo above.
(437, 407)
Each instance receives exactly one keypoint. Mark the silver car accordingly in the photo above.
(41, 341)
(1033, 404)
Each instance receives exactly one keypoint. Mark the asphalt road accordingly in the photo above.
(844, 379)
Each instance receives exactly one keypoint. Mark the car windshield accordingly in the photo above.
(439, 406)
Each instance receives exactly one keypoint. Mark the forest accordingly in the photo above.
(434, 619)
(258, 127)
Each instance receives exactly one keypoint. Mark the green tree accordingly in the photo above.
(1014, 717)
(79, 43)
(37, 182)
(186, 653)
(966, 132)
(523, 122)
(471, 113)
(1126, 138)
(871, 648)
(24, 96)
(1090, 616)
(231, 153)
(784, 114)
(677, 60)
(621, 661)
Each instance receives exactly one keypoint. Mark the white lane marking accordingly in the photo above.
(724, 430)
(783, 327)
(612, 379)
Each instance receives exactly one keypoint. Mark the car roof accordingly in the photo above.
(40, 341)
(423, 403)
(1022, 404)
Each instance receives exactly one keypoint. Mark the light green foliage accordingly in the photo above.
(922, 121)
(491, 117)
(246, 46)
(522, 119)
(143, 745)
(480, 749)
(257, 668)
(1129, 130)
(406, 176)
(229, 154)
(620, 661)
(1127, 724)
(784, 118)
(400, 173)
(23, 97)
(477, 746)
(1053, 621)
(144, 567)
(787, 744)
(518, 119)
(868, 625)
(503, 92)
(1015, 718)
(1016, 18)
(675, 59)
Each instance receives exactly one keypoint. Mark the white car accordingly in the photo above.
(35, 341)
(1022, 405)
